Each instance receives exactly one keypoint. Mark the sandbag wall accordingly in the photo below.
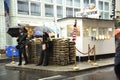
(33, 51)
(63, 52)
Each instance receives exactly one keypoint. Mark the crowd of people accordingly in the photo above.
(23, 40)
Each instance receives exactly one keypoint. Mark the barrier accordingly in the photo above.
(11, 51)
(92, 51)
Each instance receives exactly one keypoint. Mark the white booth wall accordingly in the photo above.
(103, 46)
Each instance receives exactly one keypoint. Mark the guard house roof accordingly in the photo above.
(84, 18)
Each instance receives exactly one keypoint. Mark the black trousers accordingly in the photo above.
(117, 70)
(22, 51)
(44, 58)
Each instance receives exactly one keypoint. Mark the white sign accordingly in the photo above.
(88, 13)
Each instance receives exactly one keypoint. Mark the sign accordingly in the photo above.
(90, 12)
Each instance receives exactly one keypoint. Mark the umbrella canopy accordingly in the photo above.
(43, 29)
(13, 32)
(38, 33)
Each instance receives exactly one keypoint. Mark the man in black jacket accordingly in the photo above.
(22, 46)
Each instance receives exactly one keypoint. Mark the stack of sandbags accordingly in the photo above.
(34, 50)
(72, 56)
(60, 51)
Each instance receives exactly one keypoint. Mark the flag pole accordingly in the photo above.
(74, 38)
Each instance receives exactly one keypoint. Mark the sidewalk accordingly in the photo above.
(69, 68)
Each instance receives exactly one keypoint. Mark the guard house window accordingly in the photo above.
(49, 10)
(59, 1)
(35, 8)
(86, 32)
(59, 11)
(50, 1)
(69, 2)
(69, 12)
(94, 32)
(77, 3)
(23, 7)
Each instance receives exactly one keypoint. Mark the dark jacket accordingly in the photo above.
(117, 55)
(22, 40)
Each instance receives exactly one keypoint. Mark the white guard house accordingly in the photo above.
(91, 31)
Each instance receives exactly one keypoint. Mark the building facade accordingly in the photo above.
(44, 12)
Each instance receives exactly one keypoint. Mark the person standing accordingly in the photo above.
(44, 57)
(22, 45)
(117, 57)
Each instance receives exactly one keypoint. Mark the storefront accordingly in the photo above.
(96, 32)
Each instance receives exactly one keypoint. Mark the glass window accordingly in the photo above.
(35, 8)
(76, 10)
(23, 7)
(59, 11)
(106, 6)
(92, 1)
(77, 3)
(49, 10)
(86, 3)
(69, 12)
(69, 2)
(100, 5)
(106, 15)
(93, 31)
(59, 1)
(86, 31)
(50, 1)
(101, 14)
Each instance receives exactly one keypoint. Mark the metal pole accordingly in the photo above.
(13, 62)
(95, 64)
(89, 54)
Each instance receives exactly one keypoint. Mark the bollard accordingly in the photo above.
(89, 61)
(95, 64)
(13, 61)
(75, 65)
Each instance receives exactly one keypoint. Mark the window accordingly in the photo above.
(86, 31)
(86, 3)
(76, 10)
(23, 7)
(35, 8)
(69, 12)
(59, 11)
(100, 5)
(106, 6)
(69, 2)
(92, 1)
(106, 15)
(50, 1)
(49, 10)
(77, 3)
(101, 14)
(59, 1)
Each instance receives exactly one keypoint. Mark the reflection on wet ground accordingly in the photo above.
(99, 74)
(105, 74)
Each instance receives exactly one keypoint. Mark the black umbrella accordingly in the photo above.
(13, 32)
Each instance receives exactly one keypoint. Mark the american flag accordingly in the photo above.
(74, 31)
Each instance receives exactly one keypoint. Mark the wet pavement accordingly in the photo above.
(96, 74)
